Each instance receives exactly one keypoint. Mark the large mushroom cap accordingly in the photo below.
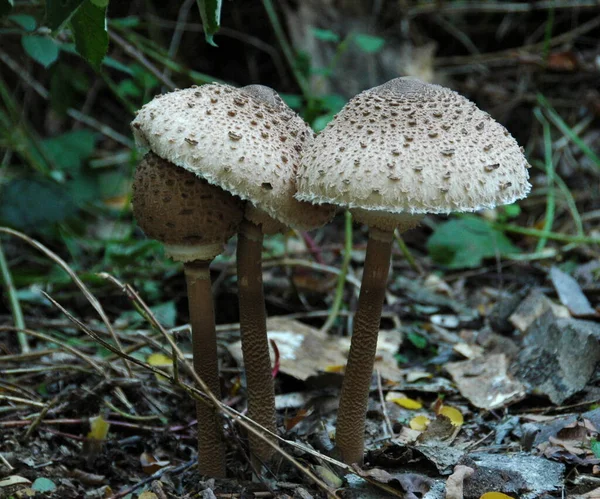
(192, 218)
(246, 141)
(413, 148)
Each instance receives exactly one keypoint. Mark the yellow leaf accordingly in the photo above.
(419, 423)
(335, 369)
(408, 403)
(99, 428)
(453, 414)
(495, 495)
(159, 360)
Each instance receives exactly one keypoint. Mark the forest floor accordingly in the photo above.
(486, 376)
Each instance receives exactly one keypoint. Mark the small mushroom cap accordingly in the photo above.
(192, 218)
(415, 148)
(246, 141)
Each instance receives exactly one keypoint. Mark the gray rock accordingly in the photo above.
(523, 475)
(559, 357)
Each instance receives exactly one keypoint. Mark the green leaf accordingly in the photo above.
(368, 43)
(465, 242)
(334, 102)
(43, 485)
(166, 313)
(58, 12)
(6, 6)
(83, 189)
(90, 34)
(32, 204)
(28, 23)
(126, 22)
(119, 66)
(595, 447)
(69, 150)
(210, 12)
(295, 101)
(100, 3)
(41, 49)
(68, 86)
(128, 88)
(320, 122)
(417, 340)
(325, 35)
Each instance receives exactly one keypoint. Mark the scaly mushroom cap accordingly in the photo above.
(192, 218)
(246, 141)
(413, 148)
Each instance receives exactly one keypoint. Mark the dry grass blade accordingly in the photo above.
(62, 344)
(13, 301)
(247, 423)
(84, 329)
(86, 292)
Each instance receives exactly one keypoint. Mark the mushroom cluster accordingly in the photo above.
(226, 160)
(246, 145)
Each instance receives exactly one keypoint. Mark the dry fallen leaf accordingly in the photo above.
(454, 484)
(441, 429)
(150, 464)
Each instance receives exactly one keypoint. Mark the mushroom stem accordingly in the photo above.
(255, 345)
(211, 451)
(352, 411)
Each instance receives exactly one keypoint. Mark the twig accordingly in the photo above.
(62, 344)
(129, 416)
(155, 476)
(502, 55)
(249, 424)
(566, 130)
(73, 113)
(5, 462)
(182, 15)
(497, 7)
(312, 247)
(286, 49)
(141, 58)
(86, 292)
(13, 300)
(341, 284)
(386, 417)
(36, 422)
(565, 238)
(295, 262)
(21, 400)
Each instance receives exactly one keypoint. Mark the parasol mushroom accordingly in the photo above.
(393, 154)
(193, 220)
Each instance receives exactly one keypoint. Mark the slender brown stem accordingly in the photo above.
(255, 345)
(350, 430)
(211, 451)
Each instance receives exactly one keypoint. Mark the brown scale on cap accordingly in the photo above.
(413, 147)
(187, 214)
(246, 141)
